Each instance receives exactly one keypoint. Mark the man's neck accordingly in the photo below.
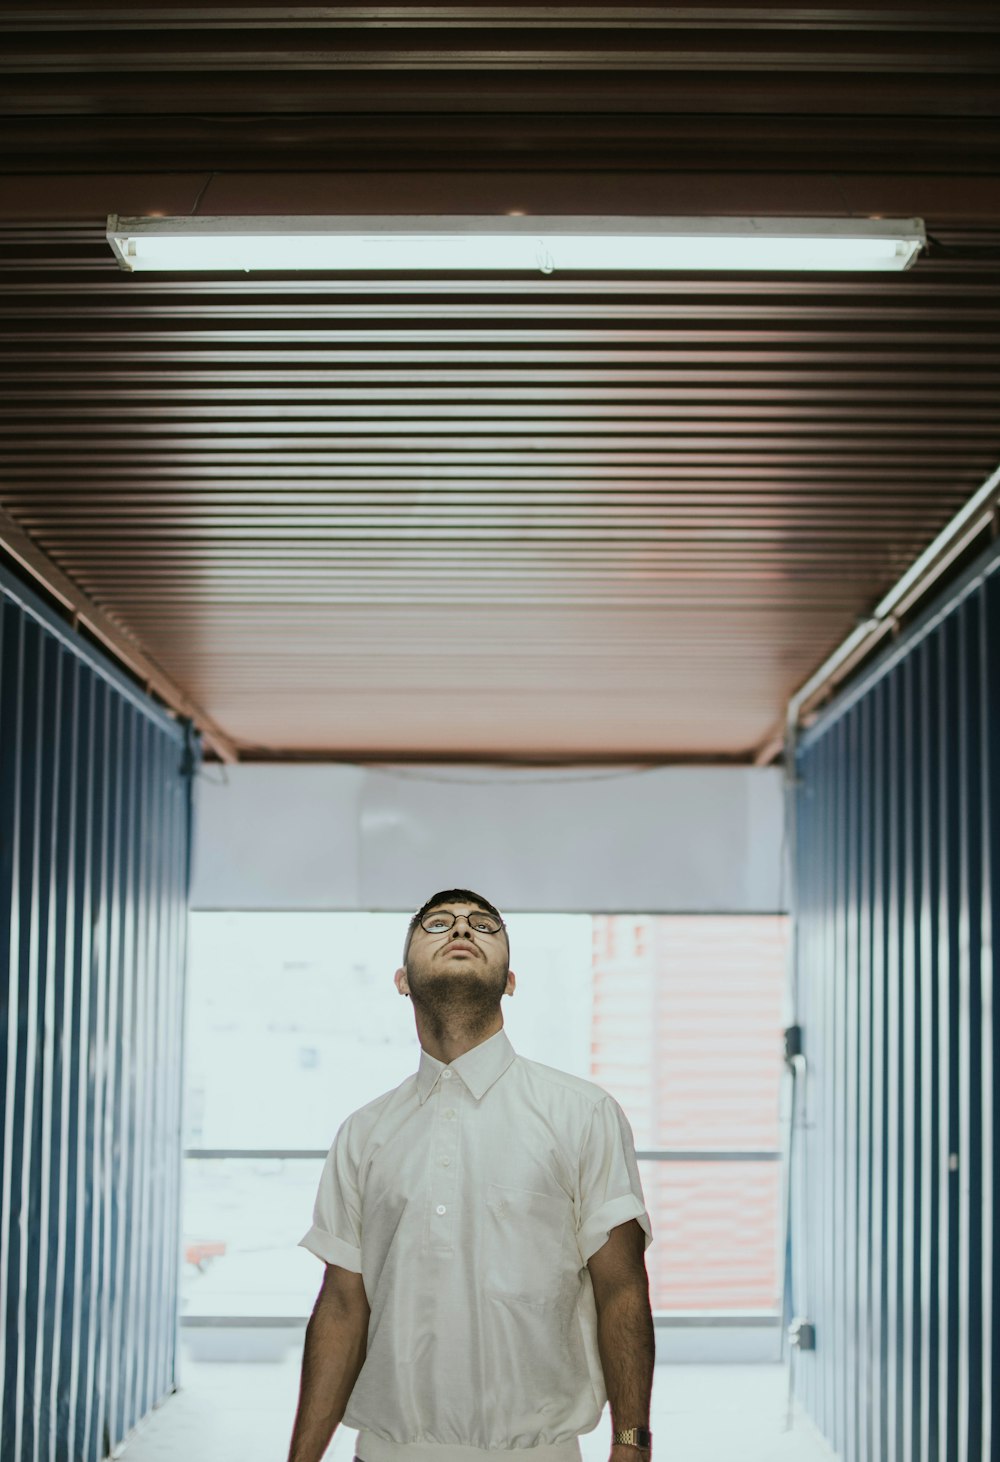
(452, 1044)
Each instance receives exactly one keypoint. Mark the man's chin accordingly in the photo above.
(453, 985)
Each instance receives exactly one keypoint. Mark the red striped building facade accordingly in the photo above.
(687, 1034)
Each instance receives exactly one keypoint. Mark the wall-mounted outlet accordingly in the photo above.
(803, 1334)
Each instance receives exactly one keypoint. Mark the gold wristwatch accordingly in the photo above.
(636, 1436)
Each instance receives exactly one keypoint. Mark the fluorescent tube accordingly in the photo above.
(514, 244)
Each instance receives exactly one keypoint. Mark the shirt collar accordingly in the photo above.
(478, 1068)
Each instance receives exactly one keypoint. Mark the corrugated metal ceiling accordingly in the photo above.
(559, 518)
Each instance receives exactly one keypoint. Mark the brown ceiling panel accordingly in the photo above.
(555, 518)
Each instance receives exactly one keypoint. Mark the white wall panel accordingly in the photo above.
(672, 839)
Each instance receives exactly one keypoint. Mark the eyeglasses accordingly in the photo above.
(442, 921)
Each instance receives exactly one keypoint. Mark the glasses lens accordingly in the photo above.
(481, 923)
(484, 923)
(437, 923)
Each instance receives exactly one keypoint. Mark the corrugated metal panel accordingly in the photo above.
(898, 890)
(545, 518)
(632, 520)
(901, 85)
(94, 822)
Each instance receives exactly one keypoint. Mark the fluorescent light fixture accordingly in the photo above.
(514, 244)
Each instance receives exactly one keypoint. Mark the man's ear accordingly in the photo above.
(511, 982)
(399, 977)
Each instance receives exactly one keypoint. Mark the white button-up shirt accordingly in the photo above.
(470, 1199)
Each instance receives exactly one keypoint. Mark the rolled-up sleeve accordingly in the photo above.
(335, 1235)
(610, 1190)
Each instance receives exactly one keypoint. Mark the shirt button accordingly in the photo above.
(441, 1208)
(445, 1161)
(445, 1075)
(449, 1111)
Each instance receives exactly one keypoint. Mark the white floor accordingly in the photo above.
(226, 1412)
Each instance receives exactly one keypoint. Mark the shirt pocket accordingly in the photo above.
(525, 1245)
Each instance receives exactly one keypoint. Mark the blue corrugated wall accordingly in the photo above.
(94, 846)
(897, 857)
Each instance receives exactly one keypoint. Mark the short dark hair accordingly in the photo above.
(450, 896)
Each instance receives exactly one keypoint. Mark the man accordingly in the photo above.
(483, 1229)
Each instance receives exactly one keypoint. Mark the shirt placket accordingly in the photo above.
(444, 1172)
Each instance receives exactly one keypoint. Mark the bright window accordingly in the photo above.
(293, 1022)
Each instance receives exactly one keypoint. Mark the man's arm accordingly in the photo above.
(335, 1349)
(624, 1330)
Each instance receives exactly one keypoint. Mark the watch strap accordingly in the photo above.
(635, 1436)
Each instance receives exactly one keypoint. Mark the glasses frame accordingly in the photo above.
(437, 914)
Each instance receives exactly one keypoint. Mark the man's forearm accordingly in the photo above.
(335, 1349)
(628, 1352)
